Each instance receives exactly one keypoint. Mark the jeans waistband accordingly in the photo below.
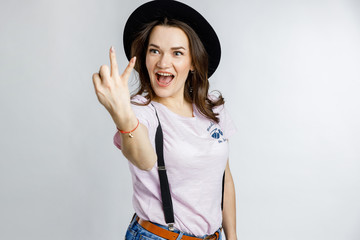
(179, 234)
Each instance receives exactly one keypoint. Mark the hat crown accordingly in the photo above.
(161, 9)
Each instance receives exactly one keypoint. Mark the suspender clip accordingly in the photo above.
(171, 227)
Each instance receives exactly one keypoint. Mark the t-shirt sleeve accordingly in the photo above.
(226, 122)
(146, 116)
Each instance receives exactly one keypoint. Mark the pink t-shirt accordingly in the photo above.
(195, 152)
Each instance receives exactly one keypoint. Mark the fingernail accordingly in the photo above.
(112, 49)
(133, 60)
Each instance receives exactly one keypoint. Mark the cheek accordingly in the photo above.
(149, 64)
(184, 67)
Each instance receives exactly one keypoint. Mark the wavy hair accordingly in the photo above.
(197, 83)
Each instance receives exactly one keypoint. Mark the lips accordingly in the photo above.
(164, 78)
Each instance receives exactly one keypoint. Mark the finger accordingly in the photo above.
(113, 63)
(96, 80)
(104, 73)
(126, 74)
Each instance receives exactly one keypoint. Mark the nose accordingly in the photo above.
(164, 61)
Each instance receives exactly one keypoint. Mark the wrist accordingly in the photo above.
(131, 131)
(125, 122)
(231, 236)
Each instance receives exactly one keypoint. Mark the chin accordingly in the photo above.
(162, 93)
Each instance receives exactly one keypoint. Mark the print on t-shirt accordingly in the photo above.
(216, 133)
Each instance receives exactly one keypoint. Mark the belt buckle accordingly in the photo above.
(210, 237)
(214, 236)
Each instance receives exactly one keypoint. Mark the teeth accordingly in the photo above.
(164, 74)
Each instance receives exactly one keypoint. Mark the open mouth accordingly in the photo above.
(164, 79)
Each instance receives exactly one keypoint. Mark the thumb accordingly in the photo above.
(126, 74)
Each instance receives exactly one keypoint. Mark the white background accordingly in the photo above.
(290, 75)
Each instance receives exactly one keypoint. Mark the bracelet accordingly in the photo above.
(129, 132)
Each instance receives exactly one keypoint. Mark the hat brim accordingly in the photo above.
(160, 9)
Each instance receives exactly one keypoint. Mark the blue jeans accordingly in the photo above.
(137, 232)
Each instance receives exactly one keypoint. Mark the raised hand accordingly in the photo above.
(113, 92)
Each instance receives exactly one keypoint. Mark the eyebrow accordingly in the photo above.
(173, 48)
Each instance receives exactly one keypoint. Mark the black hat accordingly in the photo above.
(160, 9)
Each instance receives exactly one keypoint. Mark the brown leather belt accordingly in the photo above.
(161, 232)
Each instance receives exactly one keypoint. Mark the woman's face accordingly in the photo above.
(168, 61)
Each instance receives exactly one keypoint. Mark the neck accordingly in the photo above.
(171, 102)
(177, 105)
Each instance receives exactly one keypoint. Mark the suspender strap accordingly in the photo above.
(222, 195)
(164, 183)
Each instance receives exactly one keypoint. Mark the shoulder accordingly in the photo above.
(138, 99)
(226, 121)
(144, 112)
(139, 102)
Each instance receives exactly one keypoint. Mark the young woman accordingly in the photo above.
(174, 51)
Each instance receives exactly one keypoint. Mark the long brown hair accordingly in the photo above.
(197, 83)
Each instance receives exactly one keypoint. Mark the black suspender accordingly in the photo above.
(222, 193)
(164, 183)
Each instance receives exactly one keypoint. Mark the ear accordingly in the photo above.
(192, 69)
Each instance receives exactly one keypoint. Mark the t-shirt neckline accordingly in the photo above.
(178, 115)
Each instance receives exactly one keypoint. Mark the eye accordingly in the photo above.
(178, 53)
(155, 51)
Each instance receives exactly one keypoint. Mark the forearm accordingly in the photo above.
(137, 149)
(229, 209)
